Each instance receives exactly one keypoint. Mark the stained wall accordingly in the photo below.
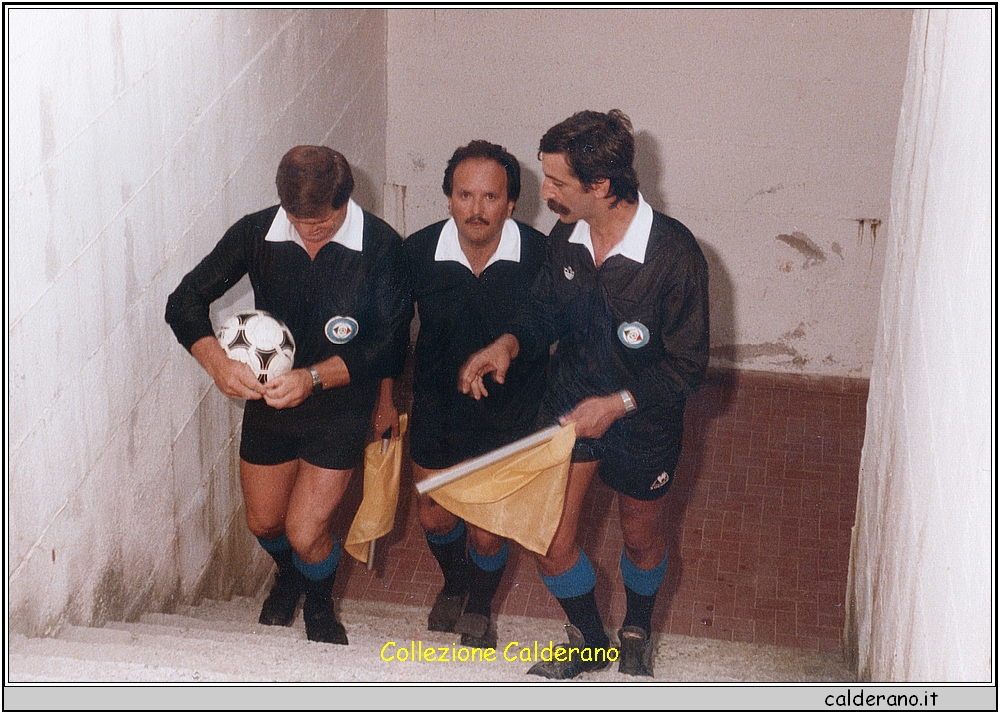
(136, 137)
(767, 132)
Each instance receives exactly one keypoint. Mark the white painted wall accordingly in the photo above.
(769, 133)
(136, 138)
(922, 567)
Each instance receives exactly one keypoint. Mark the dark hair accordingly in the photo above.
(312, 179)
(597, 146)
(480, 149)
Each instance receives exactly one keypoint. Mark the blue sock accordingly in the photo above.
(641, 588)
(275, 545)
(575, 591)
(489, 563)
(576, 581)
(642, 582)
(449, 551)
(321, 570)
(485, 574)
(449, 537)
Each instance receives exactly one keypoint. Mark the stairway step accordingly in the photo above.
(183, 647)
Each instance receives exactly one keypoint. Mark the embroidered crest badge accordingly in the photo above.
(568, 272)
(661, 481)
(633, 334)
(341, 330)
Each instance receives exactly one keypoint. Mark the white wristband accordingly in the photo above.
(627, 401)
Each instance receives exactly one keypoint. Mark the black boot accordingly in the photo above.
(322, 624)
(585, 632)
(289, 584)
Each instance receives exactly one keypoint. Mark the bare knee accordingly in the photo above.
(643, 532)
(433, 517)
(486, 544)
(312, 540)
(560, 558)
(265, 527)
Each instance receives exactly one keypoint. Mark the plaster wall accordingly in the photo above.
(923, 565)
(136, 137)
(767, 132)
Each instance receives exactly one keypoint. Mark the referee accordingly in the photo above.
(469, 276)
(333, 274)
(624, 292)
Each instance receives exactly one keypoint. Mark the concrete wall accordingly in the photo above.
(768, 132)
(922, 606)
(136, 137)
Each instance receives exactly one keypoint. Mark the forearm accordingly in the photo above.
(510, 343)
(333, 372)
(209, 354)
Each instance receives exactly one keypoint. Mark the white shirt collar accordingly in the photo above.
(350, 235)
(449, 247)
(633, 243)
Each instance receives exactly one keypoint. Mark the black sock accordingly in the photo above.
(639, 609)
(483, 583)
(449, 551)
(582, 613)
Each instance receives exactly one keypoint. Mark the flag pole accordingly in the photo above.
(488, 459)
(386, 437)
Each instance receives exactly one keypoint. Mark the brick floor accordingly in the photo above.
(760, 518)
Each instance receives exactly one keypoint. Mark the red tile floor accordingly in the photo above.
(760, 518)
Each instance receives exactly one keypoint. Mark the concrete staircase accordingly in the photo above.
(222, 642)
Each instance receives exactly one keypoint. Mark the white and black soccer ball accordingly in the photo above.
(260, 340)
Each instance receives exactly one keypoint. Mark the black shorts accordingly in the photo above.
(638, 456)
(433, 449)
(330, 439)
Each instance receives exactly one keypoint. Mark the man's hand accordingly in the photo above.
(289, 389)
(386, 414)
(494, 360)
(234, 379)
(595, 415)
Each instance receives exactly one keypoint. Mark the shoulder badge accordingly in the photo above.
(341, 330)
(633, 335)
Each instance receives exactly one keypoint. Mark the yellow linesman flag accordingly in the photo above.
(377, 511)
(520, 497)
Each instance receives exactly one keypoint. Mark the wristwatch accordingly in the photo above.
(317, 382)
(627, 401)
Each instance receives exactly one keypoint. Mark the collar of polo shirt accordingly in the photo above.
(449, 248)
(633, 243)
(350, 235)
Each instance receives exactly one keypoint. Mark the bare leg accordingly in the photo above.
(563, 551)
(644, 530)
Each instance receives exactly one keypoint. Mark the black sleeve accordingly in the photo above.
(188, 306)
(383, 352)
(539, 322)
(683, 308)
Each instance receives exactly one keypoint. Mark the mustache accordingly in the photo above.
(557, 207)
(476, 220)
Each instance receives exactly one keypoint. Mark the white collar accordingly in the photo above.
(449, 247)
(350, 235)
(633, 243)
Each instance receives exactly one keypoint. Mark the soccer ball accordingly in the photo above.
(260, 340)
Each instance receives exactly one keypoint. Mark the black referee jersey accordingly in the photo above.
(367, 287)
(460, 314)
(641, 327)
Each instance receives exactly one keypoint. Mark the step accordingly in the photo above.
(223, 642)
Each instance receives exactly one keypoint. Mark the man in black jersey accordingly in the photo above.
(624, 291)
(333, 274)
(469, 276)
